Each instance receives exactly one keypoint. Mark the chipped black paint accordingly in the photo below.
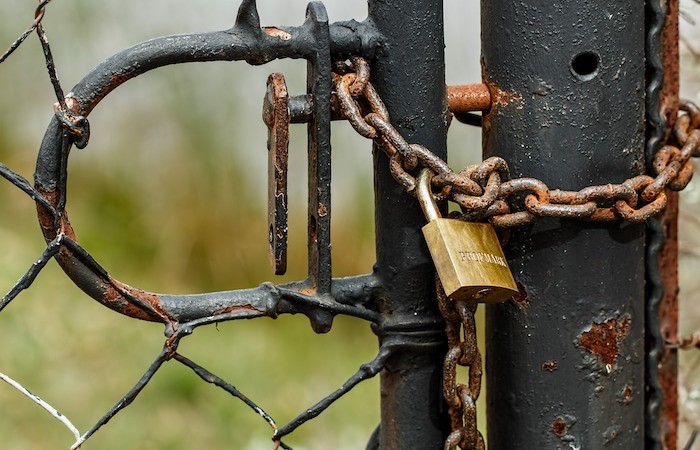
(578, 70)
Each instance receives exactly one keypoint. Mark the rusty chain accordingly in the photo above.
(462, 351)
(483, 190)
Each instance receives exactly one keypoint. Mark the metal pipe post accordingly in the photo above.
(565, 363)
(662, 233)
(409, 74)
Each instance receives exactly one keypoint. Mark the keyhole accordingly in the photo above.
(584, 66)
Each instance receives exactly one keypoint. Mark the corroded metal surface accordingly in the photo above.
(562, 123)
(662, 249)
(668, 259)
(463, 98)
(276, 117)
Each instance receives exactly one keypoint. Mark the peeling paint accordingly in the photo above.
(500, 97)
(276, 32)
(603, 340)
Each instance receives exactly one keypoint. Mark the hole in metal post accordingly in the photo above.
(584, 66)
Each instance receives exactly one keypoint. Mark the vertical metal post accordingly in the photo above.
(662, 235)
(409, 74)
(565, 364)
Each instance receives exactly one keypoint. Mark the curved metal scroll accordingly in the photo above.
(245, 41)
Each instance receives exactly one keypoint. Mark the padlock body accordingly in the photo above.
(469, 260)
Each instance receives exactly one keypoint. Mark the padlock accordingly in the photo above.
(467, 255)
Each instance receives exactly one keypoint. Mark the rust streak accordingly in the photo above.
(247, 308)
(310, 291)
(46, 219)
(147, 297)
(668, 259)
(114, 299)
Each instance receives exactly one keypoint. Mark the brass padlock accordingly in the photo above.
(467, 255)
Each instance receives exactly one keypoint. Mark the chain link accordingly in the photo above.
(485, 192)
(462, 351)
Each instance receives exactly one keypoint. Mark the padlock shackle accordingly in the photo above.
(425, 195)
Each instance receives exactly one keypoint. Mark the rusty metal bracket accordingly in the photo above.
(276, 117)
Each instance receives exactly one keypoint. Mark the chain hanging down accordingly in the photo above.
(462, 351)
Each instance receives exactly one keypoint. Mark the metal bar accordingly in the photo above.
(565, 365)
(411, 81)
(464, 98)
(662, 249)
(319, 150)
(276, 117)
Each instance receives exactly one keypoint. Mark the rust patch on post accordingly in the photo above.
(603, 339)
(627, 394)
(612, 433)
(560, 427)
(499, 97)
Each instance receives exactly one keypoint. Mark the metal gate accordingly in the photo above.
(584, 151)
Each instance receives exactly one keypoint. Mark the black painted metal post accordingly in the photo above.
(409, 75)
(565, 366)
